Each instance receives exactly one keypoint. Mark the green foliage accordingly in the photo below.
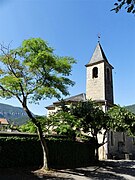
(46, 124)
(18, 151)
(128, 4)
(131, 108)
(18, 137)
(88, 117)
(28, 127)
(92, 118)
(33, 71)
(63, 123)
(121, 119)
(76, 119)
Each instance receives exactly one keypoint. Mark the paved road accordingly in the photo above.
(107, 170)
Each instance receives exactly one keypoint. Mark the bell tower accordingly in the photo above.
(99, 81)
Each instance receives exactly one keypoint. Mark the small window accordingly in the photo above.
(95, 72)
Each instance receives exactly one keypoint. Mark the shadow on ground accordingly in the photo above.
(106, 170)
(27, 174)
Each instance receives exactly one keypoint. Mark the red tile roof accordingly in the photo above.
(3, 121)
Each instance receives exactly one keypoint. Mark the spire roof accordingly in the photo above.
(98, 55)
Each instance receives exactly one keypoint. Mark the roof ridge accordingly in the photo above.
(78, 97)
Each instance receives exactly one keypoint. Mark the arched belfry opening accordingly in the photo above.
(95, 72)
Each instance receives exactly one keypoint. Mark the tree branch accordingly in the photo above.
(10, 92)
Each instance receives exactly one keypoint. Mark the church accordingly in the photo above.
(99, 88)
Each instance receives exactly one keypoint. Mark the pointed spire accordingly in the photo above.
(98, 55)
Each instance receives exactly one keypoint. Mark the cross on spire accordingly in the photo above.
(98, 37)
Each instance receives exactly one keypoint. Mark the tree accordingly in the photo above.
(94, 121)
(64, 123)
(33, 72)
(122, 120)
(47, 125)
(91, 120)
(28, 127)
(88, 117)
(128, 4)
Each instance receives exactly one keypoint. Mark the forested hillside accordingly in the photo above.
(13, 114)
(131, 108)
(17, 115)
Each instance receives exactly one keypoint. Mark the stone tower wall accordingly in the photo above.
(95, 87)
(108, 84)
(100, 88)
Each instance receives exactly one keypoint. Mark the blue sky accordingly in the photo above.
(71, 28)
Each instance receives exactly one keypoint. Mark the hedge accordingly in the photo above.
(16, 151)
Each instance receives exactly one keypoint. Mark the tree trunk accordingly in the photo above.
(42, 139)
(44, 148)
(96, 152)
(96, 147)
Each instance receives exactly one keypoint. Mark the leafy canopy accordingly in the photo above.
(92, 118)
(122, 120)
(64, 123)
(34, 72)
(128, 4)
(72, 121)
(28, 127)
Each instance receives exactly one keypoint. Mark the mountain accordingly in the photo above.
(131, 108)
(17, 115)
(13, 114)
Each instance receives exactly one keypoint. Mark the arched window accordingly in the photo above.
(95, 72)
